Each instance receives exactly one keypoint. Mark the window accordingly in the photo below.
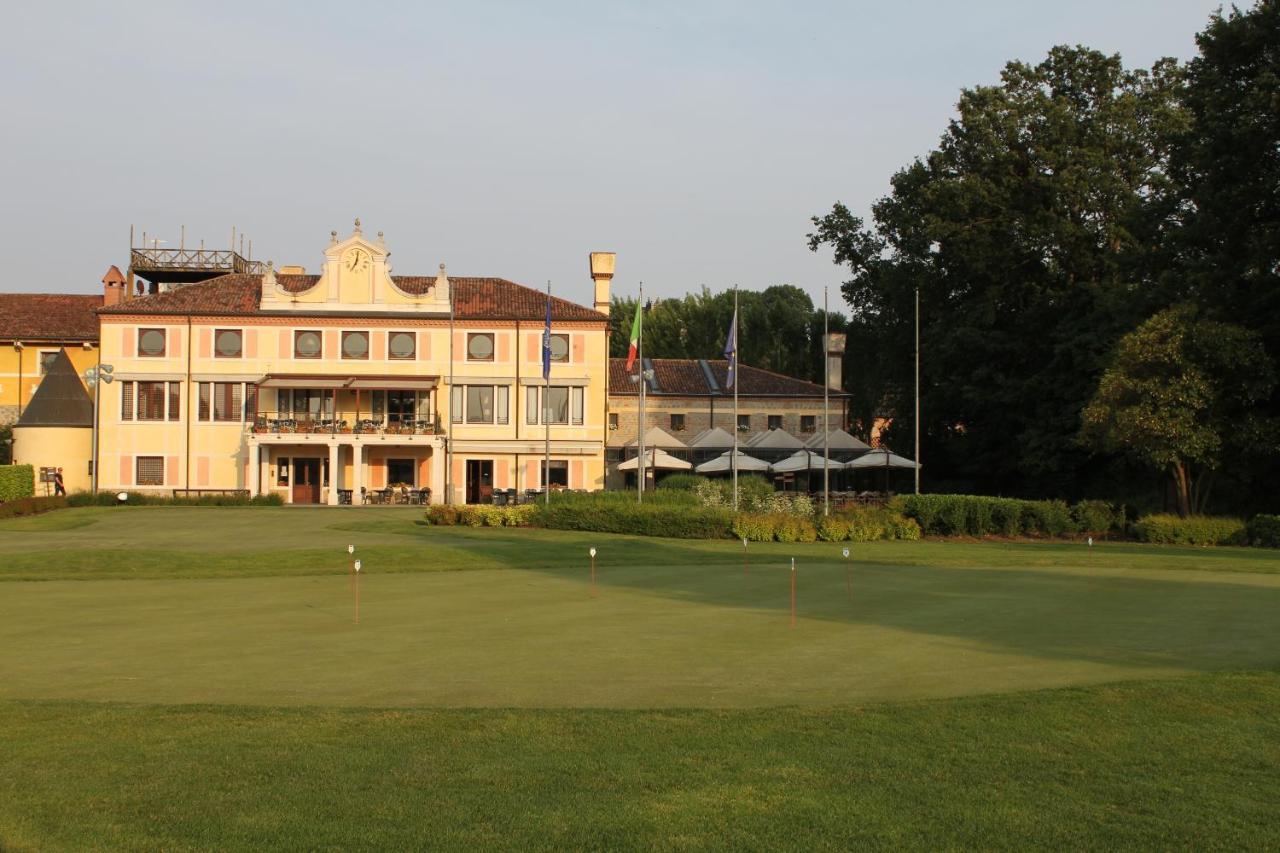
(282, 471)
(558, 475)
(151, 342)
(307, 344)
(401, 471)
(150, 401)
(808, 423)
(744, 423)
(480, 347)
(150, 471)
(221, 401)
(402, 346)
(228, 343)
(480, 404)
(559, 348)
(565, 404)
(355, 344)
(775, 421)
(613, 420)
(151, 396)
(677, 423)
(47, 357)
(126, 401)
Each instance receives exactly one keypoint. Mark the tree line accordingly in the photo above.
(1096, 251)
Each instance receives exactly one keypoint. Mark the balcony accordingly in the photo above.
(284, 427)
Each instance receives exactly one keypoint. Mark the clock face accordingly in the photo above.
(356, 260)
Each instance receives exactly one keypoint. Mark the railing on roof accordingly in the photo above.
(194, 260)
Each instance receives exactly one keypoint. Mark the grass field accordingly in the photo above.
(192, 678)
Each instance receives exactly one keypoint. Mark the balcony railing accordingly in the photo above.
(345, 423)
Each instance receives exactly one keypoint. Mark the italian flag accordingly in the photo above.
(635, 339)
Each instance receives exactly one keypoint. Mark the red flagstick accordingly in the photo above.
(848, 575)
(744, 555)
(793, 592)
(593, 572)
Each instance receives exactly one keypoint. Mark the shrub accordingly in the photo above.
(901, 527)
(77, 499)
(1096, 517)
(793, 528)
(1051, 518)
(682, 482)
(443, 514)
(754, 527)
(833, 528)
(1264, 531)
(1167, 529)
(17, 482)
(31, 506)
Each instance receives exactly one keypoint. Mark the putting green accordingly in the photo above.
(681, 625)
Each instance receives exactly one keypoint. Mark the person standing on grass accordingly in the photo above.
(58, 487)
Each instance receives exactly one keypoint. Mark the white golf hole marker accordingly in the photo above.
(357, 565)
(593, 552)
(846, 553)
(351, 549)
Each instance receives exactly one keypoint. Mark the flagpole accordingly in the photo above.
(546, 406)
(826, 420)
(734, 367)
(640, 422)
(917, 447)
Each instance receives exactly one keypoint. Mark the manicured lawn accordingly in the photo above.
(192, 678)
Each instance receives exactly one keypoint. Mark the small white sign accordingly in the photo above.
(593, 552)
(846, 553)
(357, 565)
(351, 549)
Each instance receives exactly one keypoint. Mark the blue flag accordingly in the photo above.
(546, 340)
(731, 351)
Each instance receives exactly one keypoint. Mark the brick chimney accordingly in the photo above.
(113, 287)
(602, 275)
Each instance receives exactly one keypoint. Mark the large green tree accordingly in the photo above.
(1033, 234)
(1181, 396)
(1227, 254)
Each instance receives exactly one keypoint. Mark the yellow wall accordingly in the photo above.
(29, 357)
(56, 447)
(219, 451)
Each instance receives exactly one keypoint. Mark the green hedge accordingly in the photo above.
(603, 512)
(17, 482)
(31, 506)
(481, 515)
(1166, 529)
(140, 499)
(1264, 531)
(682, 482)
(979, 515)
(1097, 518)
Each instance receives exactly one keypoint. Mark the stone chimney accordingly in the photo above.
(602, 275)
(114, 287)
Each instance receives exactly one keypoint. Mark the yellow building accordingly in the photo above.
(55, 431)
(34, 327)
(338, 386)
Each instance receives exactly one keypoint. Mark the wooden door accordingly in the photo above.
(306, 481)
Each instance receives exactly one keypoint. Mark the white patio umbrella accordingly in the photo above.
(837, 439)
(655, 458)
(712, 438)
(880, 458)
(775, 439)
(804, 460)
(724, 462)
(658, 437)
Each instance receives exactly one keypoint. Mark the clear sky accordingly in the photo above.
(510, 139)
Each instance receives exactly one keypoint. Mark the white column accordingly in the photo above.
(437, 475)
(357, 470)
(255, 469)
(333, 474)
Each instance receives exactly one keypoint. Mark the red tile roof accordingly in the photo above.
(685, 377)
(473, 298)
(48, 317)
